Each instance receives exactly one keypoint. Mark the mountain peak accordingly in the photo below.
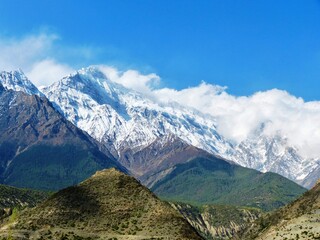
(93, 71)
(107, 172)
(90, 81)
(16, 80)
(89, 75)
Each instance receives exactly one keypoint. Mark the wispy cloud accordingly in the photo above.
(132, 79)
(40, 56)
(47, 71)
(22, 53)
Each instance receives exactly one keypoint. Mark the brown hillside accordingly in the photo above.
(109, 205)
(298, 220)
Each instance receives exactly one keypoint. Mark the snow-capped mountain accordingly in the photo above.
(124, 119)
(17, 81)
(273, 153)
(114, 114)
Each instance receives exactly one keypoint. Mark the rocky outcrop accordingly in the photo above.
(218, 222)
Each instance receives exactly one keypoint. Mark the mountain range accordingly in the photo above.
(41, 149)
(128, 123)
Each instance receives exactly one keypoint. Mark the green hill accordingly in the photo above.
(211, 180)
(12, 199)
(109, 205)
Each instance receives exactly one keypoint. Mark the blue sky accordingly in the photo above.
(247, 46)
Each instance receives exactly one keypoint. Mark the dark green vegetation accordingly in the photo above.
(300, 218)
(11, 197)
(54, 167)
(211, 180)
(218, 221)
(40, 149)
(109, 205)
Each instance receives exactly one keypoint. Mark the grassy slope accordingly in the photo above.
(11, 197)
(206, 181)
(110, 204)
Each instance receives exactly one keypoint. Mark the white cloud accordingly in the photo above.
(47, 71)
(238, 117)
(22, 53)
(132, 79)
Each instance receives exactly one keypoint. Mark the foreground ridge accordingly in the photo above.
(110, 204)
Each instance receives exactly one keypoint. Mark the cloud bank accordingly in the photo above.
(237, 117)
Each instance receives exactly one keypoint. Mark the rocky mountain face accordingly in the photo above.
(274, 154)
(109, 205)
(151, 163)
(218, 221)
(310, 180)
(298, 220)
(40, 149)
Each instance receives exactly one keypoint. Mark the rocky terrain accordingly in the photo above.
(298, 220)
(151, 163)
(218, 221)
